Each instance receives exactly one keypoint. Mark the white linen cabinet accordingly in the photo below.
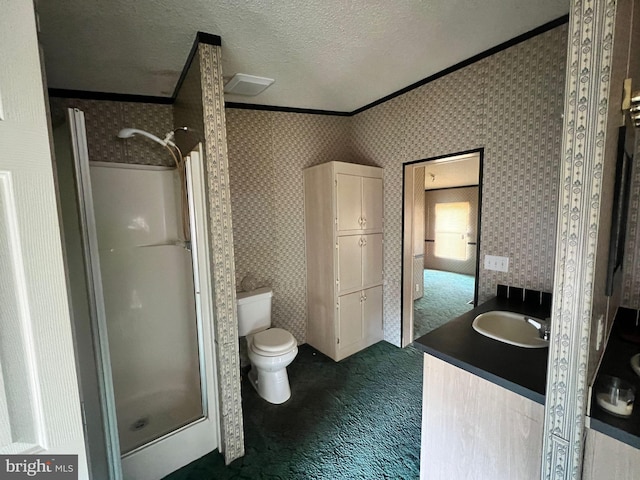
(344, 246)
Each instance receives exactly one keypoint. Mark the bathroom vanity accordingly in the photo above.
(612, 448)
(483, 400)
(483, 404)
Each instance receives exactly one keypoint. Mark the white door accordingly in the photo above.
(349, 263)
(349, 202)
(372, 312)
(372, 204)
(349, 320)
(39, 399)
(372, 258)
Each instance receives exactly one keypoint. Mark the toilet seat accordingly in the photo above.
(273, 342)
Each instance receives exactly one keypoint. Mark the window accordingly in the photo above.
(452, 222)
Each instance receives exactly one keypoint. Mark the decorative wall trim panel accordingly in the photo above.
(591, 29)
(221, 241)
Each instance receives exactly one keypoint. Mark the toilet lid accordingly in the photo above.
(273, 341)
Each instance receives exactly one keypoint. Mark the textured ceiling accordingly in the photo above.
(324, 54)
(454, 172)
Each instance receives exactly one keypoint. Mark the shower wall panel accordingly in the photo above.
(149, 300)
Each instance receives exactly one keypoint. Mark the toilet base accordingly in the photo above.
(271, 386)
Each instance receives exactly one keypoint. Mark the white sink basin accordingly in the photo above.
(509, 327)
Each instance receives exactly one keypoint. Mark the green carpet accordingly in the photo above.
(446, 296)
(356, 419)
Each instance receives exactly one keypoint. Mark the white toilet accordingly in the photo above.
(271, 350)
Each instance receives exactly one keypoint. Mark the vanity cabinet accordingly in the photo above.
(344, 249)
(473, 428)
(606, 457)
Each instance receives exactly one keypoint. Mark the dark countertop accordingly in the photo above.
(615, 362)
(521, 370)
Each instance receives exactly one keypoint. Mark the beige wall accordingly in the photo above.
(267, 153)
(104, 119)
(510, 104)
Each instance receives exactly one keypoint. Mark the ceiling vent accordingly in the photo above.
(242, 84)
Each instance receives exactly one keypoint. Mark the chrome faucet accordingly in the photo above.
(543, 326)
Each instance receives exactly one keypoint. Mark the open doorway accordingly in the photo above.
(441, 223)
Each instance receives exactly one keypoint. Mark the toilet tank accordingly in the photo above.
(254, 310)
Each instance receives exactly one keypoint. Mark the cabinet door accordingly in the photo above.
(372, 259)
(349, 202)
(349, 263)
(372, 312)
(349, 319)
(372, 203)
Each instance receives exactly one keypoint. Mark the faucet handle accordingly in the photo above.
(546, 332)
(543, 326)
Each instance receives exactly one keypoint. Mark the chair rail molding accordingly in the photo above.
(589, 60)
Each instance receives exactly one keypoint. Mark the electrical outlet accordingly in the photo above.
(499, 264)
(417, 287)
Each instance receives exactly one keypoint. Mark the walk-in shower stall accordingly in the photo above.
(140, 282)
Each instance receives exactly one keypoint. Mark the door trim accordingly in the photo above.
(406, 290)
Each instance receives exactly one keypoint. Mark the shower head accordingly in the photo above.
(130, 132)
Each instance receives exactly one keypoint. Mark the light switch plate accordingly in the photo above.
(494, 262)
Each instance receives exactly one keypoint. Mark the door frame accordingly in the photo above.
(406, 287)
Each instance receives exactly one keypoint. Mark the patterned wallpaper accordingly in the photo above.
(104, 119)
(589, 138)
(432, 197)
(509, 103)
(631, 269)
(523, 131)
(267, 153)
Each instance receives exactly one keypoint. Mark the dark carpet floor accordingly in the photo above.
(446, 296)
(356, 419)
